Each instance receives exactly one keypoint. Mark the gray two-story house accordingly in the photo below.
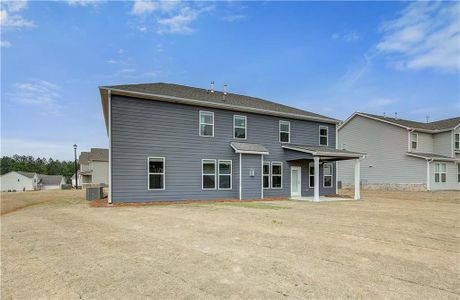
(402, 154)
(170, 142)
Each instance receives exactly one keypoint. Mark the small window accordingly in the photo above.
(440, 172)
(209, 174)
(239, 127)
(414, 140)
(327, 175)
(311, 175)
(323, 135)
(457, 141)
(225, 174)
(156, 173)
(458, 173)
(206, 123)
(266, 175)
(285, 131)
(277, 175)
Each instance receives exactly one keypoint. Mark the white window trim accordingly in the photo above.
(199, 121)
(218, 174)
(279, 131)
(245, 127)
(440, 172)
(332, 176)
(320, 136)
(455, 136)
(458, 173)
(416, 140)
(164, 173)
(265, 175)
(309, 175)
(271, 175)
(215, 175)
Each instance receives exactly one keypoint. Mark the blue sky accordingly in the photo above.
(332, 58)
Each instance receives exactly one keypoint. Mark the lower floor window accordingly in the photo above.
(311, 175)
(327, 175)
(225, 174)
(266, 174)
(208, 174)
(440, 172)
(277, 175)
(458, 172)
(156, 173)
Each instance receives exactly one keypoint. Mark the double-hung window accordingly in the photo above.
(208, 173)
(285, 131)
(156, 173)
(311, 175)
(327, 175)
(414, 140)
(440, 172)
(206, 123)
(457, 141)
(277, 175)
(458, 173)
(266, 174)
(239, 127)
(225, 174)
(323, 135)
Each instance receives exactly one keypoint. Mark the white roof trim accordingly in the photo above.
(434, 158)
(219, 105)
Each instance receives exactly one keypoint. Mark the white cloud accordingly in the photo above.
(84, 2)
(13, 21)
(15, 6)
(179, 23)
(5, 44)
(39, 93)
(141, 7)
(425, 35)
(347, 37)
(234, 18)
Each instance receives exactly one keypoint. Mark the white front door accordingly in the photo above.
(295, 182)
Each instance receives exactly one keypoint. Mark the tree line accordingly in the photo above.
(28, 163)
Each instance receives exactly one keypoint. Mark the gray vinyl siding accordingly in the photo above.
(251, 185)
(386, 161)
(145, 128)
(451, 178)
(443, 143)
(425, 143)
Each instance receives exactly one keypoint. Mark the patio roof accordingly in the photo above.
(432, 156)
(324, 152)
(247, 148)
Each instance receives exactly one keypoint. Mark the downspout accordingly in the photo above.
(109, 104)
(428, 173)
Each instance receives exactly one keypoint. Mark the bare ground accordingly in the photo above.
(390, 245)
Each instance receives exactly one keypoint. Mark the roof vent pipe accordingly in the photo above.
(384, 115)
(212, 86)
(225, 89)
(396, 115)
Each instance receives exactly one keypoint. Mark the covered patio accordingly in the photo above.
(325, 154)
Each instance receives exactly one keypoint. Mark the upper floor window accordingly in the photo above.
(457, 141)
(285, 131)
(440, 172)
(206, 123)
(239, 127)
(323, 135)
(156, 173)
(414, 140)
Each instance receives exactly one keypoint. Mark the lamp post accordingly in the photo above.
(76, 172)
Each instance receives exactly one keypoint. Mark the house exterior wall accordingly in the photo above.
(442, 143)
(15, 181)
(425, 143)
(100, 172)
(386, 162)
(144, 128)
(451, 178)
(84, 167)
(251, 185)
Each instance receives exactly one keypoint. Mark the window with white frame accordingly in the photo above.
(208, 174)
(457, 141)
(458, 172)
(156, 173)
(311, 175)
(440, 172)
(323, 135)
(277, 175)
(225, 174)
(206, 123)
(285, 131)
(327, 175)
(266, 175)
(414, 140)
(239, 127)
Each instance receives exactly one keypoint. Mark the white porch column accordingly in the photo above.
(316, 187)
(357, 179)
(428, 179)
(241, 171)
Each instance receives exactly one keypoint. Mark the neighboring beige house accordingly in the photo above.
(94, 168)
(27, 181)
(402, 154)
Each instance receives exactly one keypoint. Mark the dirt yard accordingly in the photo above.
(389, 245)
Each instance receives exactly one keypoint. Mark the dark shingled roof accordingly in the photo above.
(247, 147)
(323, 151)
(98, 154)
(440, 125)
(216, 97)
(50, 179)
(27, 174)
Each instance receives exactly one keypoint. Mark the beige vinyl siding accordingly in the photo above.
(16, 181)
(442, 143)
(425, 143)
(100, 173)
(386, 161)
(451, 178)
